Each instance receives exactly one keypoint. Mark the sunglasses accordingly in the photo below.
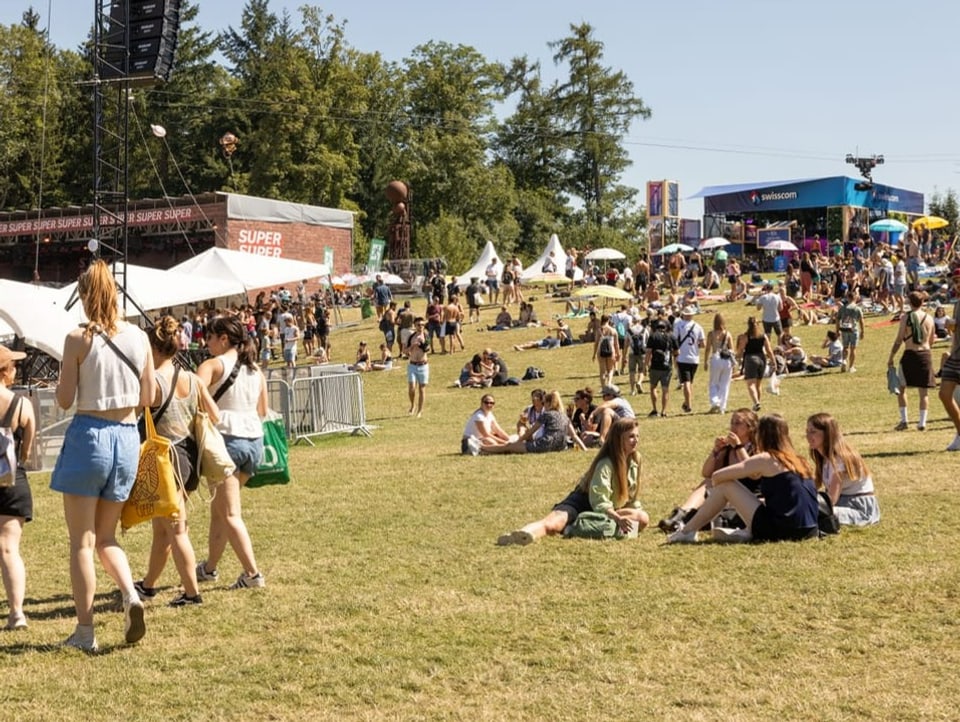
(489, 403)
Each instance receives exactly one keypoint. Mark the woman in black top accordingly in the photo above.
(754, 350)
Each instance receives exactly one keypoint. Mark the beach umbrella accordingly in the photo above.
(931, 223)
(716, 242)
(888, 225)
(603, 292)
(674, 248)
(779, 246)
(605, 254)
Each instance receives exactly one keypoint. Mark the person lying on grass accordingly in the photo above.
(610, 487)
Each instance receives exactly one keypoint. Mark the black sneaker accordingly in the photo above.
(653, 414)
(144, 592)
(184, 601)
(686, 408)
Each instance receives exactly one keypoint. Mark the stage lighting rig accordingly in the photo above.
(866, 166)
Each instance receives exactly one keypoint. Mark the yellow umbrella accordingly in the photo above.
(546, 279)
(931, 223)
(603, 292)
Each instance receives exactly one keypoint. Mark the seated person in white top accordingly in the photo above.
(841, 471)
(834, 357)
(482, 429)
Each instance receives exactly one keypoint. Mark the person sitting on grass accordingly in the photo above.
(842, 472)
(556, 429)
(363, 358)
(834, 347)
(482, 429)
(613, 407)
(610, 486)
(471, 375)
(561, 336)
(503, 322)
(385, 362)
(528, 316)
(731, 447)
(789, 508)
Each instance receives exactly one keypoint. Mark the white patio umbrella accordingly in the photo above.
(605, 254)
(779, 246)
(674, 248)
(709, 244)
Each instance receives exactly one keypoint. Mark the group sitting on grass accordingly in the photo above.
(756, 486)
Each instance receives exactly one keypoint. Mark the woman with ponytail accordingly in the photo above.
(107, 370)
(609, 487)
(789, 508)
(240, 390)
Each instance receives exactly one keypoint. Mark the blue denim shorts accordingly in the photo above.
(99, 458)
(246, 453)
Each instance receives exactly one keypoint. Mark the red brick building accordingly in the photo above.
(162, 233)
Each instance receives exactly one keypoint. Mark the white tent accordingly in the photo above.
(153, 288)
(37, 313)
(535, 269)
(251, 270)
(479, 269)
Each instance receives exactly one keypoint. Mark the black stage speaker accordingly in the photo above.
(148, 55)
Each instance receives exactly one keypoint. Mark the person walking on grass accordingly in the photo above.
(850, 327)
(661, 349)
(950, 371)
(240, 390)
(610, 486)
(107, 370)
(690, 339)
(915, 333)
(418, 368)
(16, 500)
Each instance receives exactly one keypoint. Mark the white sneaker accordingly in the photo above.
(852, 370)
(955, 444)
(731, 536)
(682, 536)
(133, 624)
(473, 444)
(85, 641)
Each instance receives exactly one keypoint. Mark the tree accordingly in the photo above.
(451, 93)
(594, 108)
(946, 206)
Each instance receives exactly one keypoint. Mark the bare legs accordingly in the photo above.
(92, 525)
(12, 567)
(172, 536)
(733, 493)
(416, 392)
(226, 525)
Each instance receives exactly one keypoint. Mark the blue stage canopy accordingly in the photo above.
(807, 193)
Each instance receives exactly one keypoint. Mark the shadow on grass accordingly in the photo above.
(887, 454)
(102, 603)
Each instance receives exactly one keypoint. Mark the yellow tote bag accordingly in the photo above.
(154, 492)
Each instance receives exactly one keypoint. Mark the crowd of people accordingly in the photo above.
(110, 370)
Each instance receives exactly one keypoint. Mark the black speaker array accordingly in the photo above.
(144, 54)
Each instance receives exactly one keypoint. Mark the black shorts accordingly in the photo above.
(574, 505)
(754, 366)
(17, 500)
(950, 371)
(686, 372)
(765, 527)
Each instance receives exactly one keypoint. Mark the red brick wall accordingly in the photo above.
(299, 241)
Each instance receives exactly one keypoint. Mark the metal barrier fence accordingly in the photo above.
(316, 400)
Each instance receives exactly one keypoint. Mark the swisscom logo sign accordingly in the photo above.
(756, 197)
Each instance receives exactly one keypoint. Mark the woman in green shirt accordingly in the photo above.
(609, 487)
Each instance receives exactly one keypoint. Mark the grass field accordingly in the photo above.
(387, 597)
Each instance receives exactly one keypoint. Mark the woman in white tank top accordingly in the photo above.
(242, 405)
(107, 369)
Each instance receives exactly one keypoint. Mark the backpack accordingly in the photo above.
(533, 373)
(8, 445)
(636, 344)
(621, 329)
(606, 346)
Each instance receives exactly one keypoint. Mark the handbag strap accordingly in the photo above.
(148, 421)
(222, 389)
(12, 409)
(173, 389)
(121, 354)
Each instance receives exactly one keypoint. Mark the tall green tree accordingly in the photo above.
(594, 108)
(452, 92)
(946, 206)
(30, 163)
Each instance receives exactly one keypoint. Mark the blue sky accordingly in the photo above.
(741, 90)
